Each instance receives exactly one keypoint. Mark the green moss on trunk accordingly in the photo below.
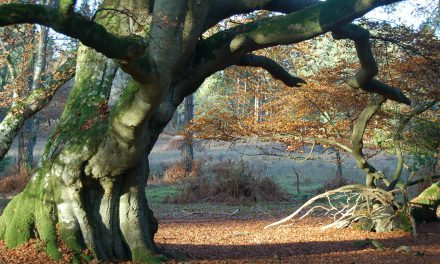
(424, 206)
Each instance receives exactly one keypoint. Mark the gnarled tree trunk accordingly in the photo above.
(89, 188)
(109, 215)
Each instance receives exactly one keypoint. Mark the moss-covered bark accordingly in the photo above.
(109, 215)
(89, 187)
(424, 206)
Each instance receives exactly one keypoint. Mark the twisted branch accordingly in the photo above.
(364, 77)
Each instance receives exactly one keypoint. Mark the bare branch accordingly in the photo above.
(331, 142)
(398, 135)
(343, 189)
(356, 206)
(9, 62)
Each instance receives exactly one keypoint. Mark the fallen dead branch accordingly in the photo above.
(351, 204)
(217, 213)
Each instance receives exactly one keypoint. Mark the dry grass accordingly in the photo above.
(178, 173)
(333, 183)
(15, 180)
(232, 184)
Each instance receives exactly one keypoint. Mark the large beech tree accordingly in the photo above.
(89, 187)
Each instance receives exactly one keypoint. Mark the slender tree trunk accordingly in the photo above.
(257, 108)
(25, 148)
(339, 176)
(39, 69)
(29, 131)
(187, 147)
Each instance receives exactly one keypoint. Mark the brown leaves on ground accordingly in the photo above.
(202, 238)
(238, 241)
(31, 252)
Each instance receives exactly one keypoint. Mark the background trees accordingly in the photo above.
(321, 112)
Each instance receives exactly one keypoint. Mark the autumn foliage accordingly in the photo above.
(325, 109)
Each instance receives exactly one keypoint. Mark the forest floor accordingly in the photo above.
(221, 234)
(215, 233)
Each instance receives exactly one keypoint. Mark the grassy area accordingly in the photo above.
(157, 194)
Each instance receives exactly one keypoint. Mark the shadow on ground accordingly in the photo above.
(246, 242)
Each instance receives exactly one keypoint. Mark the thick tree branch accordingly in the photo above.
(73, 25)
(276, 70)
(34, 102)
(364, 77)
(357, 140)
(223, 9)
(222, 49)
(304, 24)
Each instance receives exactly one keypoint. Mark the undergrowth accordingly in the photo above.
(231, 183)
(15, 180)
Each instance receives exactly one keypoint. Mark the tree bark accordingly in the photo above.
(70, 194)
(424, 206)
(28, 134)
(25, 151)
(108, 215)
(187, 147)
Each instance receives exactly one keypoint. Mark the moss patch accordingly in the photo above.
(141, 255)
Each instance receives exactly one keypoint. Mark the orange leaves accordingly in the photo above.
(259, 107)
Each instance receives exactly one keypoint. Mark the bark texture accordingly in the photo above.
(187, 146)
(103, 210)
